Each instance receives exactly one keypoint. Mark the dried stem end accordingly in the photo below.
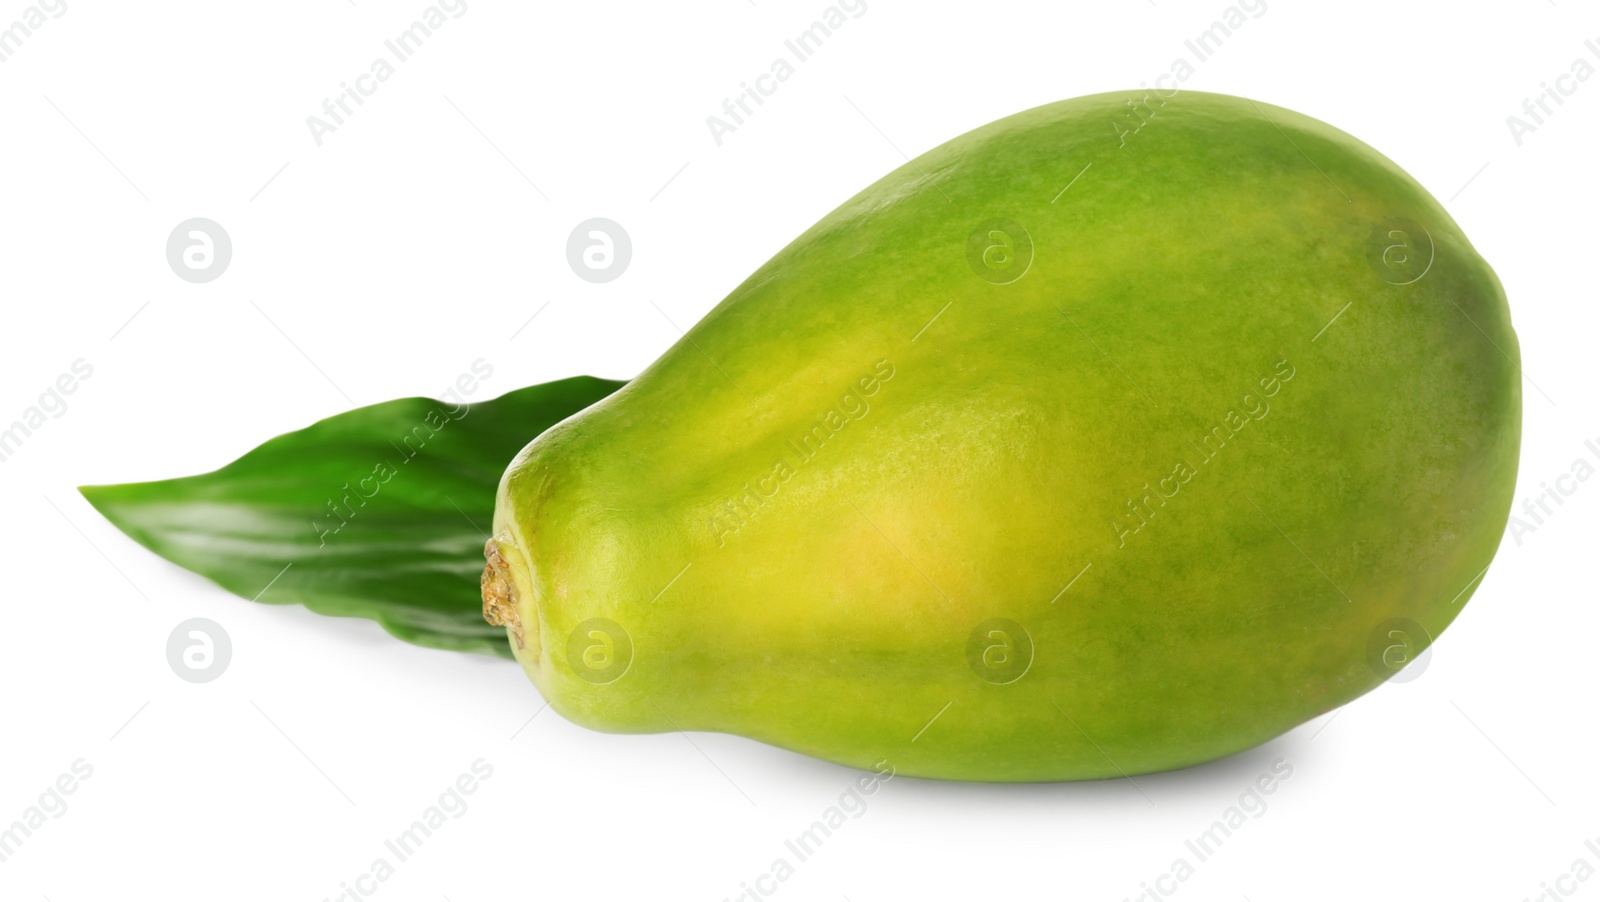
(500, 593)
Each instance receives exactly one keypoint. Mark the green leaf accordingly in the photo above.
(381, 512)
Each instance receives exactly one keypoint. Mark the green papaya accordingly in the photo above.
(1115, 436)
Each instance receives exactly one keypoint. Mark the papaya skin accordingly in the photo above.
(1198, 457)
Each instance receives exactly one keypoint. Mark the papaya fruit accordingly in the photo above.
(1115, 436)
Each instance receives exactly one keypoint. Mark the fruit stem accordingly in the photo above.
(500, 593)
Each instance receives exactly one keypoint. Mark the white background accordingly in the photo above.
(411, 243)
